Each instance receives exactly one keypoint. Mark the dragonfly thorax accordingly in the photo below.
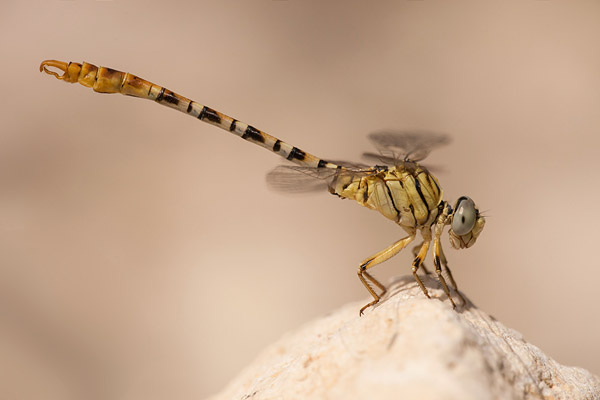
(407, 193)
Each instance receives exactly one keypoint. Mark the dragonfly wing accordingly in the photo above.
(407, 145)
(298, 179)
(381, 159)
(352, 166)
(378, 158)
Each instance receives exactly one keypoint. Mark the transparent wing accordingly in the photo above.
(378, 158)
(352, 166)
(297, 179)
(394, 146)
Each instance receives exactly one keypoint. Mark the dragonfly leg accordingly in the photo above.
(450, 277)
(376, 283)
(415, 252)
(437, 254)
(378, 258)
(420, 256)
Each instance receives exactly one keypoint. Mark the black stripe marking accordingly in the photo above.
(436, 262)
(300, 155)
(417, 262)
(232, 126)
(277, 146)
(433, 220)
(389, 191)
(171, 98)
(418, 187)
(441, 207)
(412, 211)
(297, 154)
(149, 89)
(432, 179)
(322, 164)
(253, 134)
(364, 266)
(190, 107)
(366, 192)
(292, 153)
(428, 180)
(210, 115)
(160, 94)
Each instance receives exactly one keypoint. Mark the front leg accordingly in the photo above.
(438, 270)
(444, 261)
(438, 253)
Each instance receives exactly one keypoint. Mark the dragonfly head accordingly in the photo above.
(465, 223)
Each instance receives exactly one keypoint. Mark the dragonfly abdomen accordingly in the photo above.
(107, 80)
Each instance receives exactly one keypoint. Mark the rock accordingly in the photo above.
(408, 347)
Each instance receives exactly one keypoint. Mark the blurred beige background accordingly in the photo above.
(142, 255)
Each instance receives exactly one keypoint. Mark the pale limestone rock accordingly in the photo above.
(408, 347)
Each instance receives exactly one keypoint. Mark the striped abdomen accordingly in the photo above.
(106, 80)
(407, 193)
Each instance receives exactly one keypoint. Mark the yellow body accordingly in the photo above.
(407, 193)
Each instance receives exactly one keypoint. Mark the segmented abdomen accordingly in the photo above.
(107, 80)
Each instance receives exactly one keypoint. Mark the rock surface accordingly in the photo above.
(408, 347)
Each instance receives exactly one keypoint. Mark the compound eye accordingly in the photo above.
(465, 216)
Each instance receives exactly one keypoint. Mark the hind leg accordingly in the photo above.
(378, 258)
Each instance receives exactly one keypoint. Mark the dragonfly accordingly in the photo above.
(400, 189)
